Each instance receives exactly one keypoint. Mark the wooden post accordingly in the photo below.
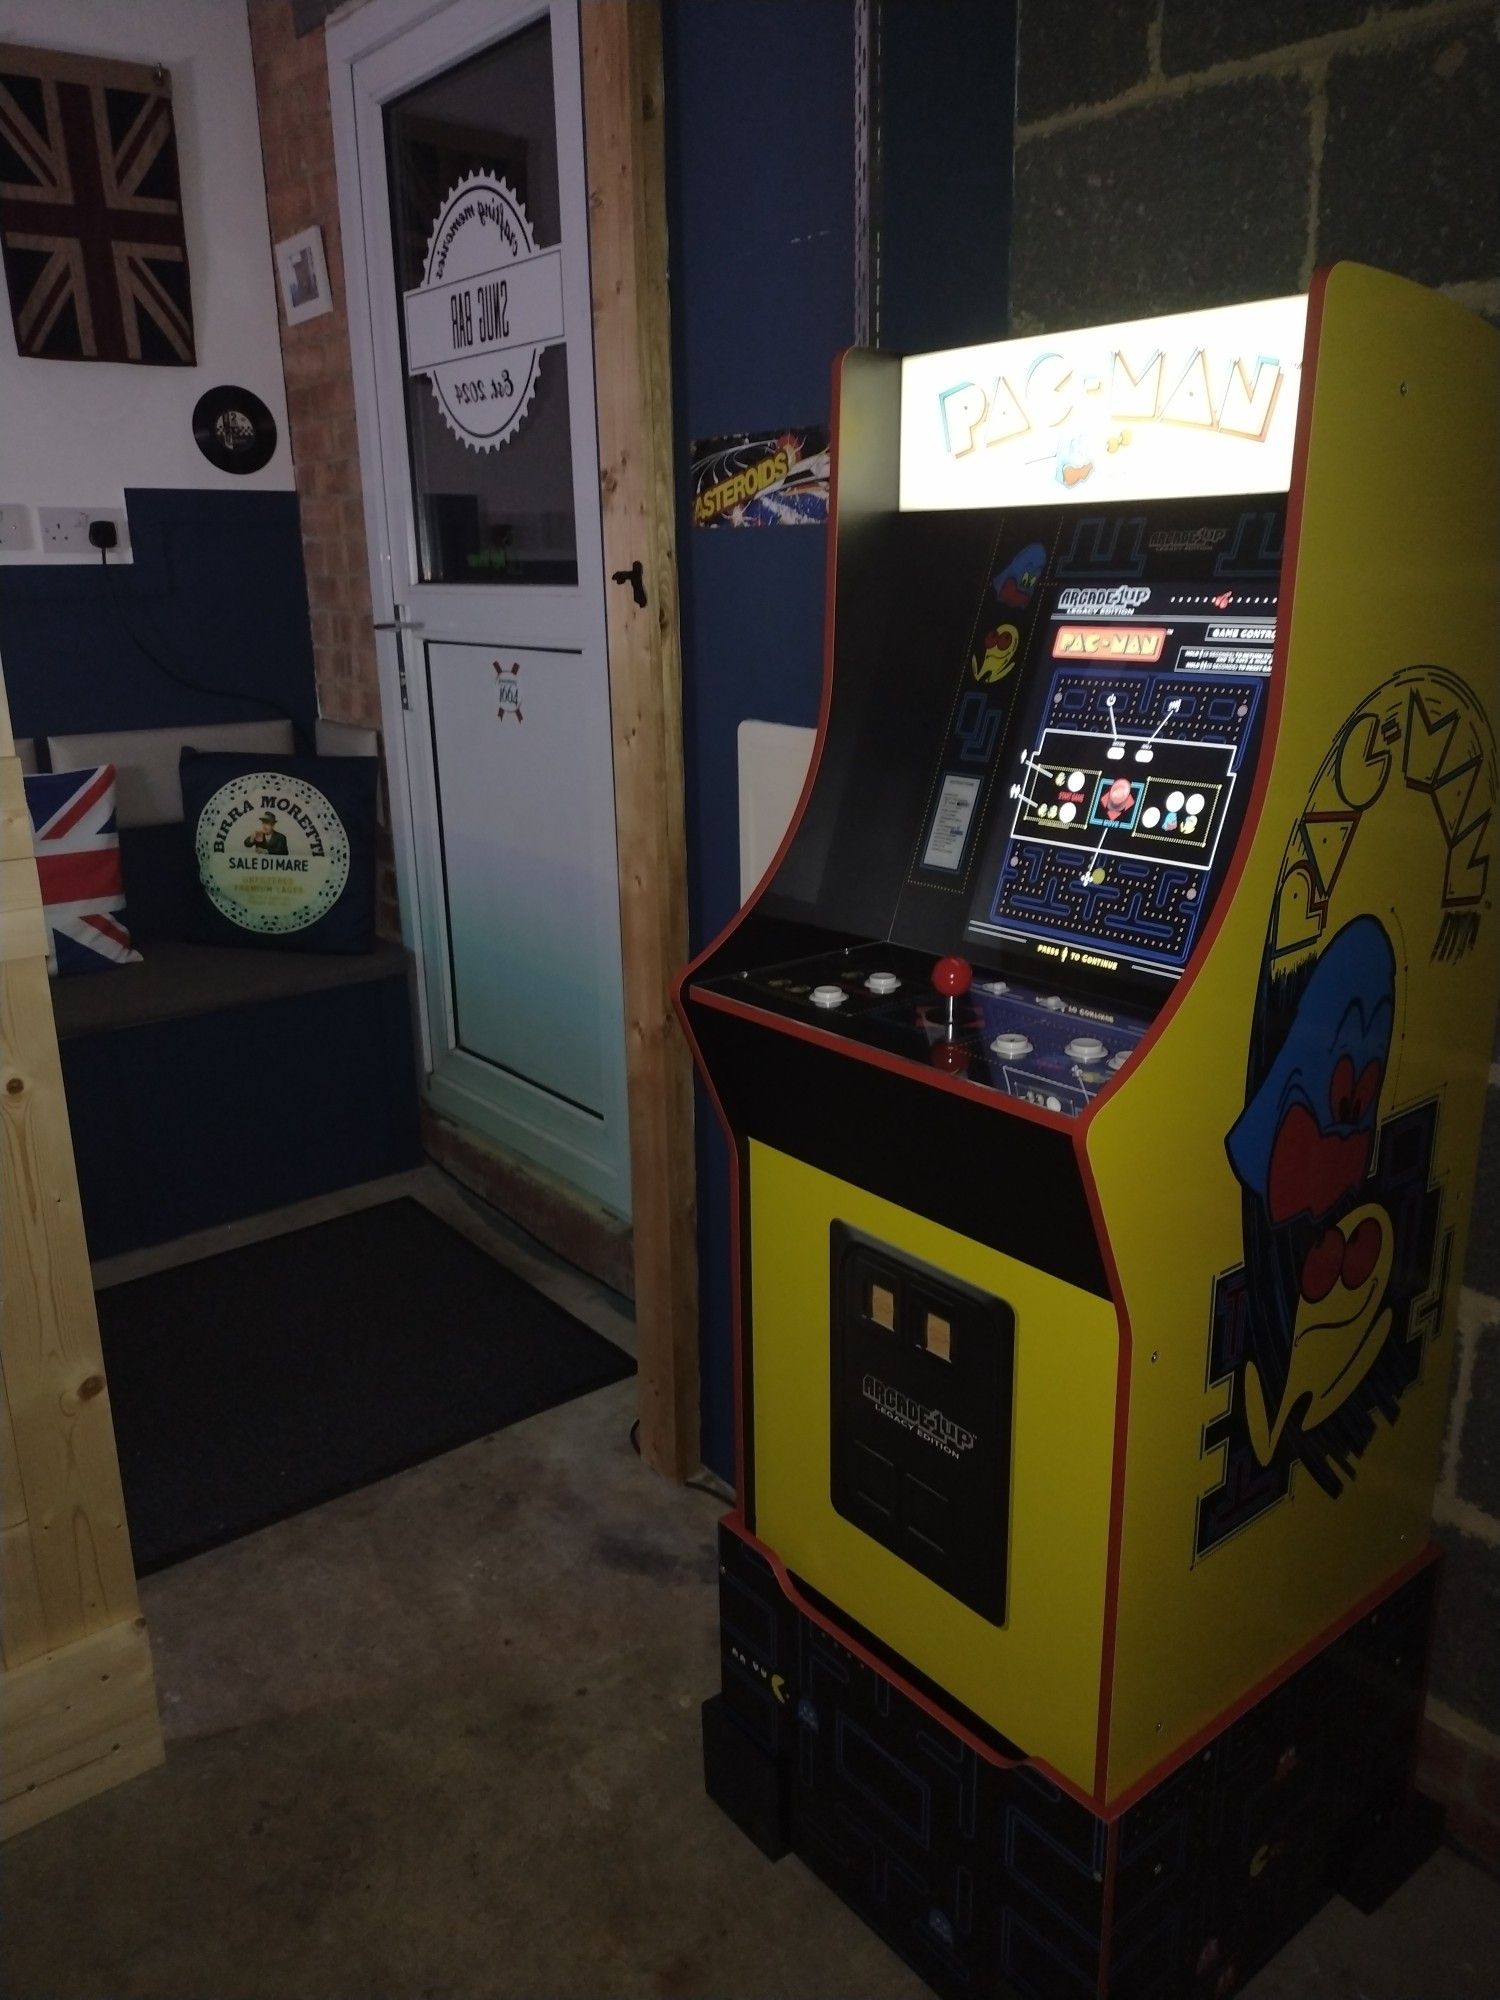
(622, 95)
(76, 1689)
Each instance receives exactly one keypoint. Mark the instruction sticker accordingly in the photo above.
(950, 823)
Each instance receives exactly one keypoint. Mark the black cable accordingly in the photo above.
(698, 1484)
(148, 653)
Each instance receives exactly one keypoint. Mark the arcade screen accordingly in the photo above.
(1127, 771)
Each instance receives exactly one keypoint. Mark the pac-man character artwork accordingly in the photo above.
(999, 654)
(1339, 1152)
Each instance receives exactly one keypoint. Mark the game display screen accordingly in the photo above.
(1126, 772)
(1082, 698)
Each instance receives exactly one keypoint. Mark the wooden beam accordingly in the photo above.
(50, 1361)
(77, 1721)
(77, 1694)
(22, 932)
(23, 1631)
(622, 96)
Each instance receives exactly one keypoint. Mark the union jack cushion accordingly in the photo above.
(78, 860)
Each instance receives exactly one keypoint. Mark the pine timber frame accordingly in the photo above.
(623, 133)
(76, 1686)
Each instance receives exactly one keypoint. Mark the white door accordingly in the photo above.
(465, 221)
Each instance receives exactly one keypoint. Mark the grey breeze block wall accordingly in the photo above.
(1181, 153)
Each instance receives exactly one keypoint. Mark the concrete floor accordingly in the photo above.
(440, 1739)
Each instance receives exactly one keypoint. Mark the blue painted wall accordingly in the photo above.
(947, 131)
(216, 591)
(760, 165)
(760, 181)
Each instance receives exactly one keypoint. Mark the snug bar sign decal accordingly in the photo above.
(488, 303)
(1183, 405)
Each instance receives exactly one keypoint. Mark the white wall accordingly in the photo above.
(76, 433)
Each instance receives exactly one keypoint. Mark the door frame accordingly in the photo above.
(620, 48)
(556, 1097)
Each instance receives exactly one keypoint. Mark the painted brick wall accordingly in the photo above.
(296, 127)
(1180, 153)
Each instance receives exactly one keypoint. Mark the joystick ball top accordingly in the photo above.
(951, 976)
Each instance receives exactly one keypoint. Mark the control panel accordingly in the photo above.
(1012, 1036)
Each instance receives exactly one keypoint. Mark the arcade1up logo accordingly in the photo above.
(1182, 406)
(923, 1420)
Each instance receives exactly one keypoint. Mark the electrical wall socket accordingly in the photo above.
(65, 531)
(16, 529)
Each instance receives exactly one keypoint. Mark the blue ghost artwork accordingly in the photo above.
(1015, 583)
(1319, 1241)
(1304, 1138)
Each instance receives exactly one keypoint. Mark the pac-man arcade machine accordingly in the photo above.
(1102, 1060)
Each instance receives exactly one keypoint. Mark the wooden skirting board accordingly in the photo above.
(76, 1721)
(77, 1700)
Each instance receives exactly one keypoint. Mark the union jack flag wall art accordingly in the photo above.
(91, 210)
(78, 865)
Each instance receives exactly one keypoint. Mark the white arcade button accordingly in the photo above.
(1011, 1047)
(1053, 1002)
(828, 996)
(1085, 1049)
(995, 986)
(1119, 1059)
(882, 982)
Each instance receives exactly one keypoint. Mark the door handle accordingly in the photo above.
(632, 576)
(396, 625)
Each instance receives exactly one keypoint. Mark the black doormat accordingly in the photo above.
(261, 1382)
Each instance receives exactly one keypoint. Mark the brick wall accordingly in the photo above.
(1180, 153)
(296, 128)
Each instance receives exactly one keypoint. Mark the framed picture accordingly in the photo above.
(302, 271)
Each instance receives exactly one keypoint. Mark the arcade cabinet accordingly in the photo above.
(1102, 1061)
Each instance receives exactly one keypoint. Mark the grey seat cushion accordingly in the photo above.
(176, 981)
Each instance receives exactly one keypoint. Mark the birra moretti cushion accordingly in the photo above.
(284, 849)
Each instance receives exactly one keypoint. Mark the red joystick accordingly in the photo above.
(953, 977)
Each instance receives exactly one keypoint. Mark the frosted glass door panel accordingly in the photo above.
(523, 777)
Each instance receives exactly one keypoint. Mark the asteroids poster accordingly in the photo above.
(761, 479)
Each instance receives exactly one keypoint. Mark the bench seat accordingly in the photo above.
(212, 1081)
(176, 981)
(221, 1083)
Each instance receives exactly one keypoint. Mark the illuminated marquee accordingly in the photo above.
(1187, 404)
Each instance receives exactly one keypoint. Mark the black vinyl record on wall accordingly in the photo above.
(234, 429)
